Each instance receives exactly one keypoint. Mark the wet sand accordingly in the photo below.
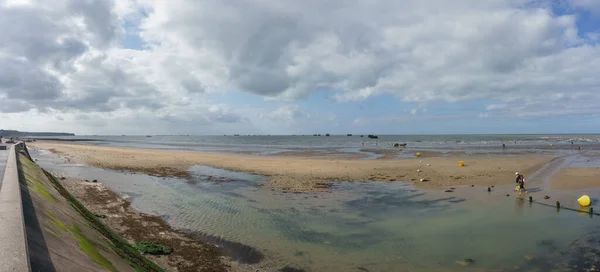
(295, 174)
(576, 178)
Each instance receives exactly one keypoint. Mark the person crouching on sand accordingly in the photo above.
(520, 183)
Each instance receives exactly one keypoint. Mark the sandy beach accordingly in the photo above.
(300, 174)
(576, 178)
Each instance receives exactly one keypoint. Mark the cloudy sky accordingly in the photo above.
(300, 66)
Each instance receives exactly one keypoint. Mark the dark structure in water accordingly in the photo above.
(373, 136)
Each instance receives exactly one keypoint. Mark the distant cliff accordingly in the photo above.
(16, 133)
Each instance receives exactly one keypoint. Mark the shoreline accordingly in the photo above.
(299, 174)
(191, 251)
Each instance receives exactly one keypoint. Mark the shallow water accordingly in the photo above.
(362, 226)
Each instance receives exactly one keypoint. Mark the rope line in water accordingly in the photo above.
(559, 206)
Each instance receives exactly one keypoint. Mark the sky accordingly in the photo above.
(300, 67)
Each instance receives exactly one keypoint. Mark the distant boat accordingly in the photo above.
(148, 136)
(348, 134)
(373, 136)
(327, 135)
(362, 136)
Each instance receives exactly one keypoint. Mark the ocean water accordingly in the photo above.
(368, 226)
(353, 144)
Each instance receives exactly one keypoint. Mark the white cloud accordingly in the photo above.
(64, 57)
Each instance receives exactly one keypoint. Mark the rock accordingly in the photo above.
(449, 191)
(95, 180)
(62, 178)
(291, 269)
(466, 262)
(418, 170)
(472, 185)
(428, 164)
(87, 180)
(546, 197)
(507, 194)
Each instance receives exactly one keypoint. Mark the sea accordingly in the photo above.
(266, 144)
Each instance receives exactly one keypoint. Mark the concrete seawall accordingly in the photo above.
(44, 228)
(13, 242)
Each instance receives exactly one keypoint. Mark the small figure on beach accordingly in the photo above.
(503, 145)
(520, 180)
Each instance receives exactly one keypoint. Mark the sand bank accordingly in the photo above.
(305, 174)
(576, 178)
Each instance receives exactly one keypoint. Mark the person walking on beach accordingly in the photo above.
(520, 180)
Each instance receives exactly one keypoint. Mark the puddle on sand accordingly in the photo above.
(359, 226)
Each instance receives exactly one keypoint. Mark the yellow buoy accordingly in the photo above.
(461, 163)
(418, 154)
(550, 145)
(584, 201)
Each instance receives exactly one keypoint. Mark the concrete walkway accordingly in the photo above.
(13, 242)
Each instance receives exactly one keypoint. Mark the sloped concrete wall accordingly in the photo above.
(62, 235)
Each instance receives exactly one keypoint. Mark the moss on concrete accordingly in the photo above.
(89, 248)
(32, 178)
(56, 223)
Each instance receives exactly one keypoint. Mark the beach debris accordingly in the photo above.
(418, 154)
(546, 197)
(466, 262)
(461, 163)
(423, 180)
(418, 170)
(584, 201)
(420, 161)
(507, 194)
(492, 186)
(472, 185)
(449, 191)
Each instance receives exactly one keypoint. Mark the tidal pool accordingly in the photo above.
(358, 226)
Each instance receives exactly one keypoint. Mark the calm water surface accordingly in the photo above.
(363, 226)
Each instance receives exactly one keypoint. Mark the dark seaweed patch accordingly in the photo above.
(239, 252)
